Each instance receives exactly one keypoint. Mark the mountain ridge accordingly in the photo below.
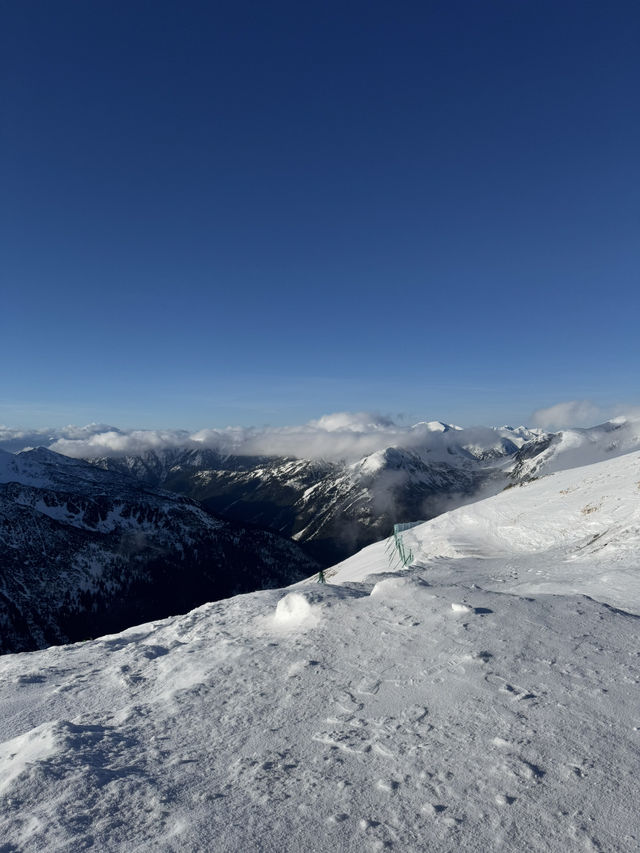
(88, 551)
(335, 507)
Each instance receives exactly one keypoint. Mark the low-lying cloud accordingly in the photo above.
(570, 413)
(340, 436)
(347, 436)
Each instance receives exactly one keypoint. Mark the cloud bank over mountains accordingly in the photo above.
(339, 436)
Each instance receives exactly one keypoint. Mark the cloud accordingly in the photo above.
(15, 440)
(626, 413)
(342, 435)
(572, 413)
(352, 422)
(19, 439)
(339, 436)
(347, 436)
(115, 442)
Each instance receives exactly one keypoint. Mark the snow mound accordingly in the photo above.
(20, 753)
(400, 589)
(294, 611)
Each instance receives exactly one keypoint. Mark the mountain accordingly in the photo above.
(86, 551)
(573, 448)
(335, 508)
(483, 698)
(573, 530)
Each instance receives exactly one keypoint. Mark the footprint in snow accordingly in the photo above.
(369, 686)
(433, 809)
(504, 800)
(460, 607)
(518, 694)
(387, 785)
(338, 818)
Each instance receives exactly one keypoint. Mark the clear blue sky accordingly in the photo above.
(259, 212)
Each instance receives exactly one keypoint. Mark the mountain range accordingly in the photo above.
(85, 551)
(91, 547)
(332, 507)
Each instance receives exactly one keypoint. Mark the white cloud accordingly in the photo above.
(627, 413)
(571, 413)
(345, 436)
(113, 442)
(353, 422)
(341, 435)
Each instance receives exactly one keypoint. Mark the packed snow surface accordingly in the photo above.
(484, 698)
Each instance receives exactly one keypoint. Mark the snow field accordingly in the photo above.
(394, 722)
(477, 701)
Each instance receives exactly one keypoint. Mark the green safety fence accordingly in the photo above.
(399, 555)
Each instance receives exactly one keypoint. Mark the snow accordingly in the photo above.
(574, 448)
(30, 466)
(16, 469)
(43, 468)
(485, 698)
(372, 464)
(435, 426)
(521, 434)
(294, 611)
(460, 608)
(576, 531)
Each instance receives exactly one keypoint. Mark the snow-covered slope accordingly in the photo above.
(573, 448)
(576, 531)
(436, 708)
(43, 468)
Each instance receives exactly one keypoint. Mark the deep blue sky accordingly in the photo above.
(260, 212)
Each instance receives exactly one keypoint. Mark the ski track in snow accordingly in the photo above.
(457, 705)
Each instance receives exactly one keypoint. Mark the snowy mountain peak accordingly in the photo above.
(573, 448)
(434, 426)
(394, 458)
(43, 468)
(521, 434)
(30, 466)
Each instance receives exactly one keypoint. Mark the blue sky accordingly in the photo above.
(252, 213)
